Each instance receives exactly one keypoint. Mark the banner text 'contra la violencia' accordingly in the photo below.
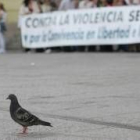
(98, 26)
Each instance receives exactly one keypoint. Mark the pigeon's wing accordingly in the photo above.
(25, 118)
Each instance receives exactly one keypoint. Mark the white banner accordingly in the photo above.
(98, 26)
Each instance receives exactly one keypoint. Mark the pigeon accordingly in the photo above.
(22, 116)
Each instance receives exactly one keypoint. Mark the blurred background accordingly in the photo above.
(18, 8)
(12, 36)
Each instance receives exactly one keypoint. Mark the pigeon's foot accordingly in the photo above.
(24, 130)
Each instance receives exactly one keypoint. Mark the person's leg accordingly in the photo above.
(138, 47)
(2, 43)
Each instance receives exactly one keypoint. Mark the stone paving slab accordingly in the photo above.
(86, 96)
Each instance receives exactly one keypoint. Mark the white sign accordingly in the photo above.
(98, 26)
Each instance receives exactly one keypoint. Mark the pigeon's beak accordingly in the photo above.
(7, 98)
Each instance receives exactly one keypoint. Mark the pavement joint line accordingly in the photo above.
(96, 122)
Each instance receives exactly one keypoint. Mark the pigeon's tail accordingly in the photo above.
(45, 123)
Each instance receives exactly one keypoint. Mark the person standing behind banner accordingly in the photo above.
(123, 47)
(3, 27)
(105, 3)
(69, 5)
(28, 7)
(48, 6)
(87, 4)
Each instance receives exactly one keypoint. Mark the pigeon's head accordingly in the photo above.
(12, 97)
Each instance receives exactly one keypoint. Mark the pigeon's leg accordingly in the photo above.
(24, 130)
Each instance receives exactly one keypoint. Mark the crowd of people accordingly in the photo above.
(45, 6)
(3, 28)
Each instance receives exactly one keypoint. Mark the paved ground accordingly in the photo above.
(86, 96)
